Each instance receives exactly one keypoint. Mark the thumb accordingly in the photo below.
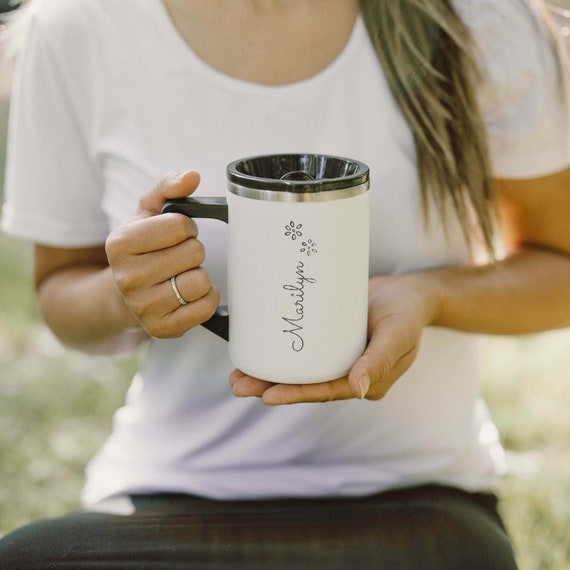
(368, 371)
(172, 185)
(388, 354)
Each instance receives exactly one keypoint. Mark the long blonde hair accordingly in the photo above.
(429, 60)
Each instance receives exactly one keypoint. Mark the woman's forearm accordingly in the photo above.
(84, 309)
(527, 292)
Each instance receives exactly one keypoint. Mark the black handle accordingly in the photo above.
(217, 209)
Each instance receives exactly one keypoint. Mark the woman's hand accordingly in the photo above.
(145, 252)
(399, 309)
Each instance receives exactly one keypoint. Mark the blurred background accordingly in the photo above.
(56, 405)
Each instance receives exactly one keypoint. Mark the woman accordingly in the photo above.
(456, 107)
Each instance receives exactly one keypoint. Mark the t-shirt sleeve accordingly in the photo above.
(524, 89)
(53, 188)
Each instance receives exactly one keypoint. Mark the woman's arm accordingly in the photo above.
(106, 299)
(80, 302)
(528, 291)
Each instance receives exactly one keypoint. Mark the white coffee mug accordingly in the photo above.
(298, 242)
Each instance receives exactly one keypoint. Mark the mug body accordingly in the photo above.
(298, 273)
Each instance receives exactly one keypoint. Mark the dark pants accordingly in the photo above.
(415, 529)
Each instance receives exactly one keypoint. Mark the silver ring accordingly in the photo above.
(176, 291)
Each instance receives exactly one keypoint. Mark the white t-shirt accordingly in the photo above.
(109, 97)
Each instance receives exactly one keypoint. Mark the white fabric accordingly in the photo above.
(109, 98)
(528, 133)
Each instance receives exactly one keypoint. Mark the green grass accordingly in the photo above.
(55, 404)
(527, 386)
(56, 407)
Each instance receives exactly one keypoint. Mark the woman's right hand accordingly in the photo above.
(146, 251)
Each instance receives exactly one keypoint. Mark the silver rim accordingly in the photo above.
(284, 196)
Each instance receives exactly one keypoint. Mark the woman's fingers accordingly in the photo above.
(173, 185)
(391, 350)
(146, 235)
(306, 393)
(279, 394)
(191, 286)
(244, 385)
(184, 317)
(156, 267)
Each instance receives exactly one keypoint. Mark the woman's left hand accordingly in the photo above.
(399, 308)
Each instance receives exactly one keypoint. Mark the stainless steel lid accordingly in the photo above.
(297, 177)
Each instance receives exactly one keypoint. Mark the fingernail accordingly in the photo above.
(364, 384)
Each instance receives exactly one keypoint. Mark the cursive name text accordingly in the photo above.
(297, 292)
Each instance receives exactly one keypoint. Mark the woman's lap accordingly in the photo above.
(426, 527)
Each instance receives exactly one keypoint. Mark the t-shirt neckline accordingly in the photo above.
(186, 53)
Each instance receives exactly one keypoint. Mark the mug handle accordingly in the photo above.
(216, 209)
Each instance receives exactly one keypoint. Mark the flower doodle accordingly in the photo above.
(309, 247)
(293, 231)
